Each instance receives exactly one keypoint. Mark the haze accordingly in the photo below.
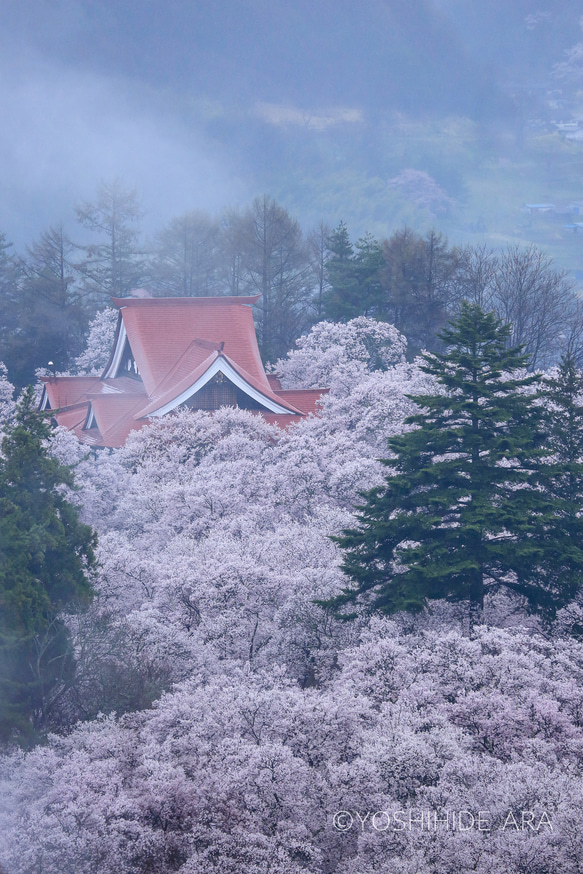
(204, 105)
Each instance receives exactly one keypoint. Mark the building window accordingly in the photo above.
(128, 365)
(221, 392)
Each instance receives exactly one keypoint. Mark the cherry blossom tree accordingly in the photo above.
(226, 718)
(6, 396)
(99, 342)
(331, 346)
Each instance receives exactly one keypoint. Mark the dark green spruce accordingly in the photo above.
(354, 276)
(561, 478)
(46, 562)
(462, 511)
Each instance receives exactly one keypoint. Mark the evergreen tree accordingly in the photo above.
(49, 314)
(461, 510)
(353, 276)
(561, 477)
(341, 297)
(10, 278)
(368, 263)
(46, 559)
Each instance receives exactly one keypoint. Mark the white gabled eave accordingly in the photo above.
(113, 367)
(221, 365)
(90, 420)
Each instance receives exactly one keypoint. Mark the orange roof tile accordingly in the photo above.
(174, 342)
(307, 400)
(64, 391)
(176, 389)
(109, 410)
(73, 416)
(161, 330)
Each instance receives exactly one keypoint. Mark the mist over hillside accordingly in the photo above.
(523, 38)
(402, 55)
(321, 105)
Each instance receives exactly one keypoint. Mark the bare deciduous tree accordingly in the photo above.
(272, 260)
(536, 299)
(318, 255)
(186, 257)
(522, 286)
(113, 266)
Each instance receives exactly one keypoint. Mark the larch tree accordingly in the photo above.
(418, 279)
(318, 255)
(114, 265)
(273, 262)
(538, 301)
(187, 256)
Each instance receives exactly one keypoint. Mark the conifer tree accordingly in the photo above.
(46, 559)
(341, 298)
(114, 265)
(353, 275)
(561, 478)
(461, 511)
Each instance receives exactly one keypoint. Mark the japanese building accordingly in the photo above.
(171, 353)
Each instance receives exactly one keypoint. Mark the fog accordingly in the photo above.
(66, 129)
(206, 105)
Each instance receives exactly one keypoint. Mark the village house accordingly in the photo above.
(171, 353)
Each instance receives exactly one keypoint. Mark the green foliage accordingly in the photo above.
(353, 276)
(561, 477)
(48, 313)
(462, 511)
(46, 560)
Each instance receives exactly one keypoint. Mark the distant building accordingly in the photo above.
(171, 353)
(535, 208)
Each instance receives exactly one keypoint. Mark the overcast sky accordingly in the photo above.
(79, 103)
(160, 92)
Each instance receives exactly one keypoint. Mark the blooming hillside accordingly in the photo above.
(231, 724)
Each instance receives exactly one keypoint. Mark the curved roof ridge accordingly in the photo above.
(145, 302)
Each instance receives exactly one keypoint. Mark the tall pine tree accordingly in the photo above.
(462, 510)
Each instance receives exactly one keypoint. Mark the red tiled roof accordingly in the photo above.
(120, 385)
(274, 382)
(174, 342)
(175, 389)
(64, 391)
(110, 409)
(116, 417)
(307, 400)
(74, 416)
(158, 343)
